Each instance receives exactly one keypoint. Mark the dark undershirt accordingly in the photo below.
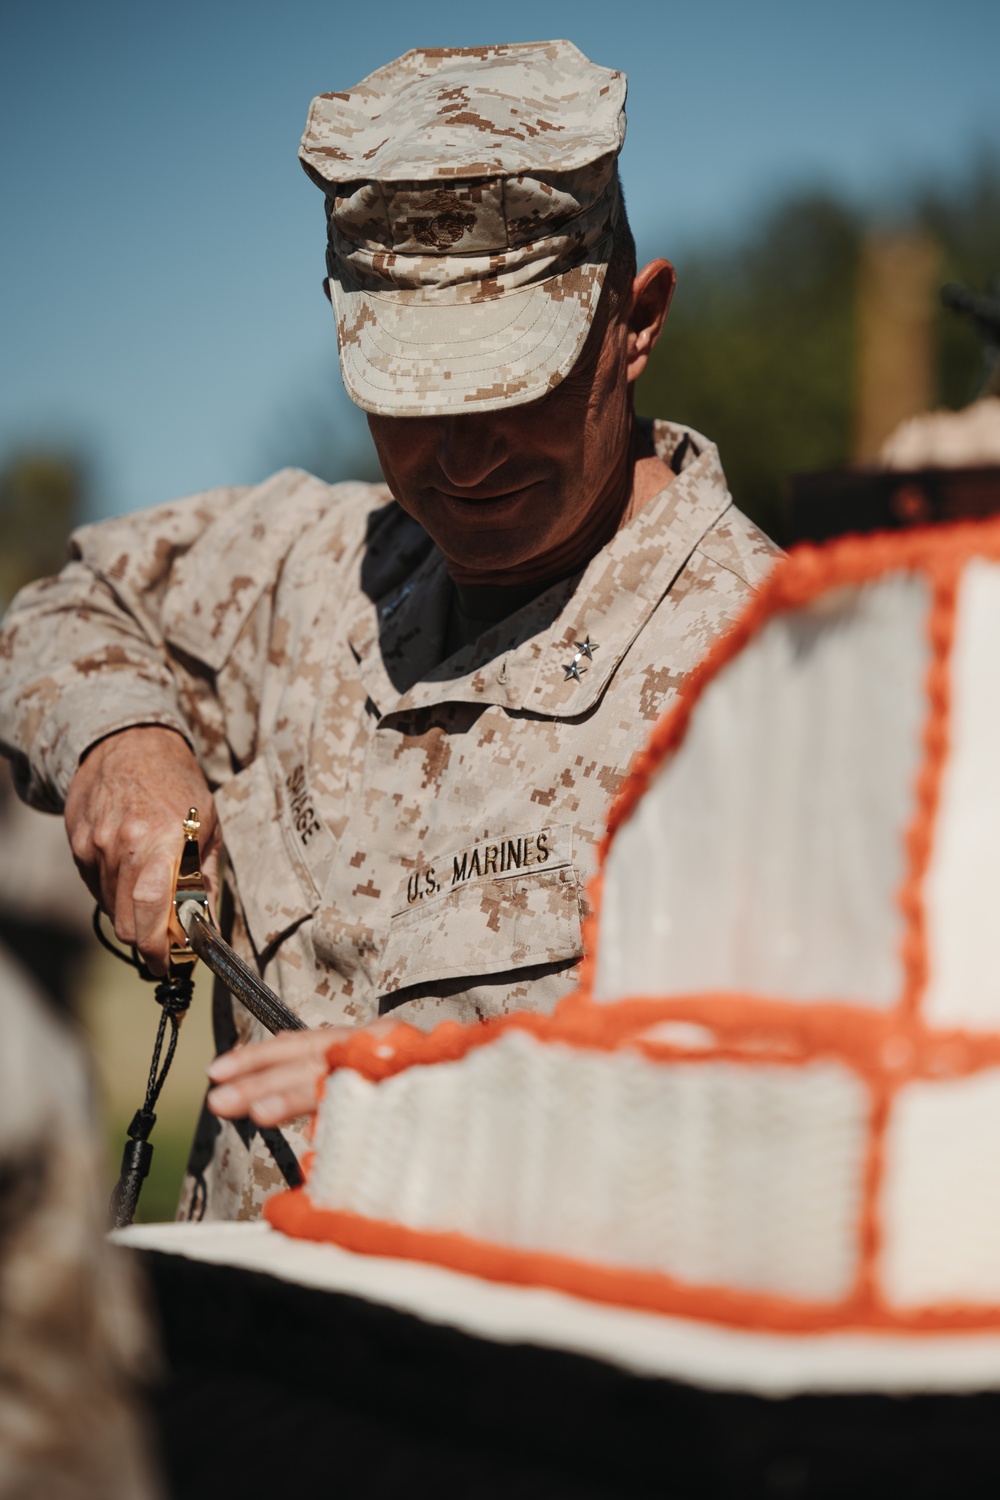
(475, 607)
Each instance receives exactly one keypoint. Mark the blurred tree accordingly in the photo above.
(44, 908)
(966, 223)
(40, 496)
(759, 351)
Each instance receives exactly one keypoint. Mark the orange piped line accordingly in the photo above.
(653, 1291)
(868, 1291)
(750, 1029)
(919, 844)
(941, 630)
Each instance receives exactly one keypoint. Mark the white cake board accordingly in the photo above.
(643, 1343)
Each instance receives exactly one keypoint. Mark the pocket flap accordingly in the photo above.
(488, 908)
(275, 888)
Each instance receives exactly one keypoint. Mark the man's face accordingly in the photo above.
(527, 493)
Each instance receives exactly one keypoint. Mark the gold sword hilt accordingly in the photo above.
(188, 886)
(193, 935)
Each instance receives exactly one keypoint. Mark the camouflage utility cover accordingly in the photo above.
(402, 831)
(471, 197)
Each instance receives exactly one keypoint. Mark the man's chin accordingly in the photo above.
(492, 535)
(509, 510)
(498, 566)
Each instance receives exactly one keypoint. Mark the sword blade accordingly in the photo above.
(216, 954)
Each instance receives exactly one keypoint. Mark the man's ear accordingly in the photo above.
(652, 291)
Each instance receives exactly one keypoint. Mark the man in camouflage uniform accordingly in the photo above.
(411, 715)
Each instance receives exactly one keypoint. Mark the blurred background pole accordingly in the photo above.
(898, 278)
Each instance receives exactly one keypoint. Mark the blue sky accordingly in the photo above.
(162, 252)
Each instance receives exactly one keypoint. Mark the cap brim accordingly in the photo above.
(438, 352)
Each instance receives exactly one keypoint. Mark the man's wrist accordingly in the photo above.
(116, 734)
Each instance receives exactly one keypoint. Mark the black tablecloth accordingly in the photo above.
(276, 1390)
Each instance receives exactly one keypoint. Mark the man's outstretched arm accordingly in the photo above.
(91, 711)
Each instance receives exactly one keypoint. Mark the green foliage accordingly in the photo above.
(758, 351)
(966, 223)
(39, 498)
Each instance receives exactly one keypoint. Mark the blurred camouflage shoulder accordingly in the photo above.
(229, 523)
(76, 1345)
(741, 547)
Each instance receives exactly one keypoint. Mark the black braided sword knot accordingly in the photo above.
(173, 994)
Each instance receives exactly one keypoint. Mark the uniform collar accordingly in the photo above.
(521, 663)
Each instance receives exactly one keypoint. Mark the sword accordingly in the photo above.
(194, 935)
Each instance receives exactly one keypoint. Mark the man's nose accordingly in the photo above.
(470, 448)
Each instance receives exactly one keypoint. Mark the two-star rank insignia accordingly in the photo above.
(584, 648)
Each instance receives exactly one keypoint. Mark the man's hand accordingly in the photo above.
(124, 812)
(277, 1081)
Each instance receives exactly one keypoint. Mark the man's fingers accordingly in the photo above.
(278, 1080)
(99, 872)
(90, 875)
(117, 882)
(210, 870)
(271, 1096)
(286, 1047)
(152, 896)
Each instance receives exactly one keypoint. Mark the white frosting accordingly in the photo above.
(941, 1200)
(646, 1343)
(962, 887)
(947, 439)
(768, 854)
(714, 1172)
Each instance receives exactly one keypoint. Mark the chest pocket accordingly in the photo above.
(275, 887)
(488, 908)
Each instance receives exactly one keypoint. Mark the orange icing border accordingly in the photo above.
(650, 1291)
(886, 1048)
